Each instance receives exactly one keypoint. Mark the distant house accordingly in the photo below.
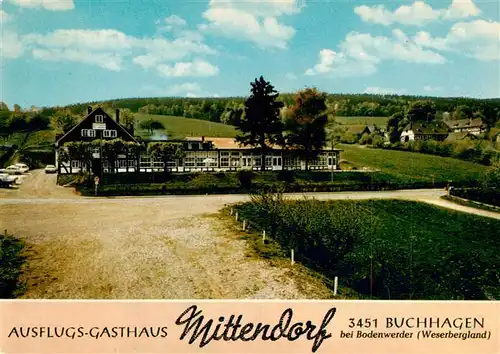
(460, 136)
(200, 153)
(424, 131)
(374, 129)
(473, 126)
(358, 130)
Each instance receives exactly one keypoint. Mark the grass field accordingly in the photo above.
(180, 127)
(378, 121)
(414, 250)
(414, 166)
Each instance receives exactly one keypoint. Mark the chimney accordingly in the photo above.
(89, 109)
(117, 116)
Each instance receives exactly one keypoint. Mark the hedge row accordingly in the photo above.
(487, 196)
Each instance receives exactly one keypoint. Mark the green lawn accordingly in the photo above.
(180, 127)
(378, 121)
(413, 166)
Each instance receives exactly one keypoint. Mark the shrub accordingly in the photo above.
(314, 229)
(246, 177)
(349, 138)
(286, 176)
(378, 140)
(11, 262)
(204, 181)
(366, 139)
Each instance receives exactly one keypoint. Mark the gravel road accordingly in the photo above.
(170, 247)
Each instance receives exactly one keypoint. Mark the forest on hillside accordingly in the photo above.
(229, 109)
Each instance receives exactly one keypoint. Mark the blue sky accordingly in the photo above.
(57, 52)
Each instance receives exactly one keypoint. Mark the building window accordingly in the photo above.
(109, 133)
(99, 118)
(224, 161)
(88, 133)
(145, 162)
(235, 162)
(76, 164)
(190, 162)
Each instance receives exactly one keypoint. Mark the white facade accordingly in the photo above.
(216, 161)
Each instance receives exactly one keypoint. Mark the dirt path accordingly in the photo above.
(168, 247)
(145, 248)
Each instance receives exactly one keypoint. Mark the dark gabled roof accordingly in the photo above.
(424, 128)
(100, 111)
(459, 136)
(357, 129)
(465, 123)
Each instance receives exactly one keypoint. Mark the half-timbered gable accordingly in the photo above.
(96, 125)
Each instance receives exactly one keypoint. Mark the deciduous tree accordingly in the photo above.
(151, 125)
(421, 111)
(306, 124)
(63, 120)
(166, 152)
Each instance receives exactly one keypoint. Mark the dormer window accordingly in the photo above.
(99, 118)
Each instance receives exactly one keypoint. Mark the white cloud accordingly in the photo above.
(336, 64)
(172, 22)
(175, 21)
(252, 20)
(460, 9)
(109, 48)
(53, 5)
(186, 89)
(197, 68)
(104, 60)
(432, 88)
(10, 45)
(91, 39)
(417, 14)
(360, 53)
(375, 90)
(479, 39)
(4, 17)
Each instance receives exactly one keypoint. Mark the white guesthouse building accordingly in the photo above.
(201, 153)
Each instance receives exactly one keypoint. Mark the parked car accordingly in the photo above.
(7, 180)
(11, 170)
(23, 167)
(50, 169)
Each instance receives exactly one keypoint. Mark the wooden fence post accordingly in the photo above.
(231, 213)
(236, 216)
(264, 236)
(293, 256)
(244, 225)
(335, 286)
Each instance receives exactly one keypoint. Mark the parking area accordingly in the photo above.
(36, 184)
